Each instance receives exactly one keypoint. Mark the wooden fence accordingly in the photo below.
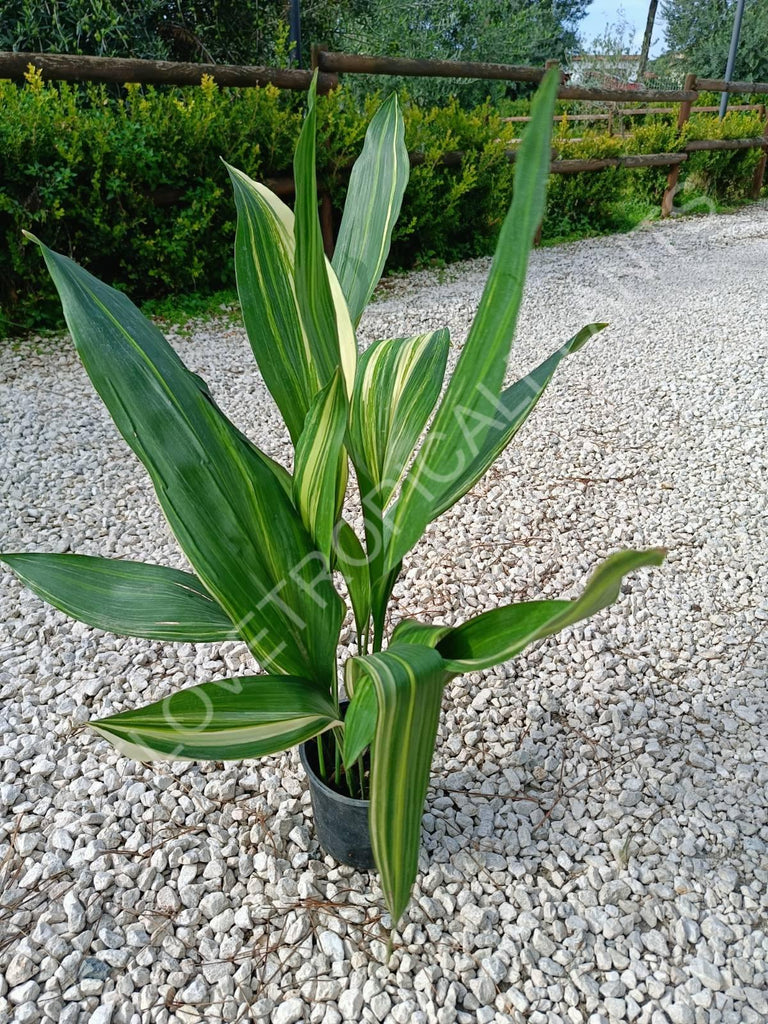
(329, 65)
(342, 63)
(65, 67)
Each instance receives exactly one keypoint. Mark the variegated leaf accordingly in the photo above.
(323, 308)
(227, 720)
(513, 407)
(466, 413)
(285, 224)
(316, 470)
(360, 719)
(397, 384)
(352, 560)
(411, 631)
(126, 598)
(374, 198)
(408, 680)
(496, 636)
(225, 503)
(264, 250)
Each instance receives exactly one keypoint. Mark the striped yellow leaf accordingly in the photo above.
(316, 471)
(227, 720)
(372, 206)
(323, 308)
(408, 680)
(397, 384)
(352, 561)
(467, 411)
(360, 719)
(264, 268)
(260, 197)
(514, 406)
(127, 598)
(223, 499)
(502, 633)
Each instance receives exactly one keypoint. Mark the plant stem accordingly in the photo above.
(335, 684)
(321, 757)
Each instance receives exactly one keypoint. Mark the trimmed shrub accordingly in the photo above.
(132, 186)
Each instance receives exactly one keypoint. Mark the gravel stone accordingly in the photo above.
(617, 1008)
(707, 973)
(681, 1013)
(102, 1014)
(26, 993)
(195, 992)
(351, 1004)
(289, 1012)
(332, 945)
(20, 969)
(594, 842)
(483, 989)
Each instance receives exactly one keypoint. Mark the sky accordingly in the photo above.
(601, 12)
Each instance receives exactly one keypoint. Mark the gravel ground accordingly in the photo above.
(596, 837)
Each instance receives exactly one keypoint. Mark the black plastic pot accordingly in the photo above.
(341, 823)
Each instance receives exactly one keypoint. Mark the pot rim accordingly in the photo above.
(317, 781)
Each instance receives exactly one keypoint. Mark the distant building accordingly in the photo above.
(607, 71)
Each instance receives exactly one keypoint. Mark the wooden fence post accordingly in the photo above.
(683, 115)
(757, 180)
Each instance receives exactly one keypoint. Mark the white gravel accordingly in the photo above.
(596, 838)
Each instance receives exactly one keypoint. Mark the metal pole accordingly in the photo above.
(295, 19)
(732, 54)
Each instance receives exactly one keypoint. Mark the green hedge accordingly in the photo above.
(134, 188)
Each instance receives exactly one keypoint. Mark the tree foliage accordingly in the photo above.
(701, 29)
(210, 31)
(502, 31)
(256, 32)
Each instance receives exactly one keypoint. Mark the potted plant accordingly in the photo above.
(268, 548)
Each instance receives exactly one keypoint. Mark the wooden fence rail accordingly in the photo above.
(631, 112)
(720, 85)
(329, 65)
(64, 67)
(342, 63)
(331, 62)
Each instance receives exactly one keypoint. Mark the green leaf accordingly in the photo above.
(499, 635)
(514, 406)
(264, 258)
(324, 311)
(408, 680)
(397, 384)
(360, 721)
(227, 720)
(127, 598)
(225, 503)
(374, 198)
(353, 563)
(317, 462)
(463, 419)
(411, 631)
